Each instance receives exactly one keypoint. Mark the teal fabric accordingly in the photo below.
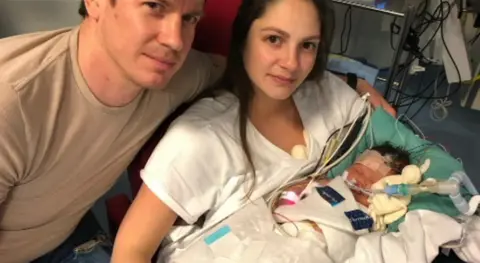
(384, 128)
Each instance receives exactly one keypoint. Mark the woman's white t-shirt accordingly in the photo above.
(199, 167)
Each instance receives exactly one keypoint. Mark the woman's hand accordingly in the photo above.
(147, 222)
(376, 99)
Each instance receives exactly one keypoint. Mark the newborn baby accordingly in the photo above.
(369, 168)
(372, 166)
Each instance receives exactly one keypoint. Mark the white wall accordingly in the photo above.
(23, 16)
(370, 37)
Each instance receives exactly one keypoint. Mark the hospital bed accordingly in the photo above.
(220, 228)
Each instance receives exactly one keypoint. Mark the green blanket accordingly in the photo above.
(384, 128)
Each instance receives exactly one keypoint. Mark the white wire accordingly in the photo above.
(398, 131)
(417, 129)
(290, 181)
(277, 191)
(352, 185)
(438, 108)
(372, 139)
(275, 194)
(354, 144)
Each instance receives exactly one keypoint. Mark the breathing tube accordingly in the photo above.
(451, 187)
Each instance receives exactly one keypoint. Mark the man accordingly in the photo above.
(75, 107)
(77, 104)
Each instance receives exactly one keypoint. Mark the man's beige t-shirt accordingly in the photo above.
(60, 148)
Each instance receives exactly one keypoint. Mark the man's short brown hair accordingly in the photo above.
(82, 10)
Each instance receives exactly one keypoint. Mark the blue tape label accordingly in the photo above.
(221, 232)
(330, 195)
(359, 219)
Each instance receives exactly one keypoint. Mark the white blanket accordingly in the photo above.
(249, 236)
(419, 238)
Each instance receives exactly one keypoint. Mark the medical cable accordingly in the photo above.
(415, 126)
(438, 16)
(362, 132)
(438, 108)
(442, 35)
(285, 233)
(366, 122)
(366, 125)
(474, 81)
(271, 201)
(474, 39)
(348, 16)
(418, 96)
(320, 171)
(438, 187)
(451, 187)
(352, 185)
(277, 192)
(442, 104)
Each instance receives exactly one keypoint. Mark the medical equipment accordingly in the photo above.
(450, 187)
(366, 123)
(326, 165)
(441, 187)
(467, 209)
(458, 200)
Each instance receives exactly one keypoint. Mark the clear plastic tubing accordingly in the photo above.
(440, 187)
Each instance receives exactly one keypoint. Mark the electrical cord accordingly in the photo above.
(438, 109)
(394, 30)
(419, 96)
(412, 100)
(348, 16)
(425, 20)
(325, 166)
(474, 39)
(442, 104)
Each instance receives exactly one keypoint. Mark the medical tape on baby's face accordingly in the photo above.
(374, 161)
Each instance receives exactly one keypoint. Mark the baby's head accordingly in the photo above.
(385, 159)
(394, 157)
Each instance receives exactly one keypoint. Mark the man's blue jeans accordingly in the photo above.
(87, 244)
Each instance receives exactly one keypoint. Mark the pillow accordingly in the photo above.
(384, 128)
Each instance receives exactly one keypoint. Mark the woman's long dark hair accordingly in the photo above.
(236, 79)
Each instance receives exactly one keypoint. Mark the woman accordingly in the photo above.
(272, 81)
(237, 146)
